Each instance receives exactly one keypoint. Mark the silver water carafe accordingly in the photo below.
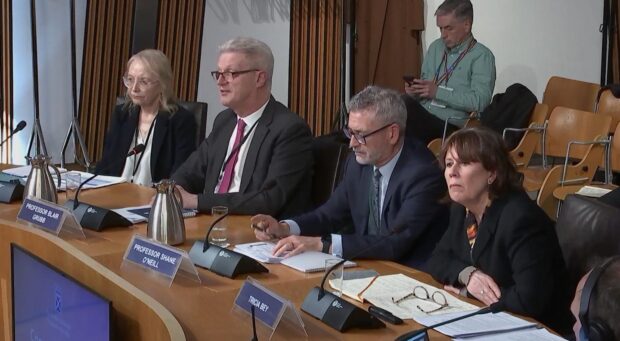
(166, 217)
(40, 183)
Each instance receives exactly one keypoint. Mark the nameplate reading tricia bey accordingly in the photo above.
(270, 309)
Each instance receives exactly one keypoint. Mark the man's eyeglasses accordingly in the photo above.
(421, 293)
(229, 75)
(361, 138)
(142, 82)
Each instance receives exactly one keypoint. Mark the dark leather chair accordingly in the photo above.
(329, 159)
(198, 109)
(588, 231)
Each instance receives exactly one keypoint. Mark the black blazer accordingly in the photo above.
(174, 139)
(280, 151)
(411, 206)
(517, 246)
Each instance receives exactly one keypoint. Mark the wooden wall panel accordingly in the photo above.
(316, 39)
(106, 50)
(108, 46)
(179, 36)
(6, 74)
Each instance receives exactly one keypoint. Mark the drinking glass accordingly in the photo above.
(219, 235)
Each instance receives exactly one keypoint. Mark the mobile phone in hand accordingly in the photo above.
(408, 79)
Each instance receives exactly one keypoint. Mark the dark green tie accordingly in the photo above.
(374, 216)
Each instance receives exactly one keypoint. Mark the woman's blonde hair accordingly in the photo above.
(158, 64)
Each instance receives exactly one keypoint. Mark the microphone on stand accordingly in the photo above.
(97, 218)
(221, 260)
(269, 185)
(19, 127)
(10, 187)
(136, 150)
(336, 312)
(254, 336)
(414, 335)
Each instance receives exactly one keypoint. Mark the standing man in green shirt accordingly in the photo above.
(458, 75)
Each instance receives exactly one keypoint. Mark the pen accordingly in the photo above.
(384, 315)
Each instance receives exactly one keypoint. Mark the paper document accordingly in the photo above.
(311, 261)
(382, 290)
(593, 191)
(139, 214)
(519, 335)
(97, 182)
(261, 251)
(24, 171)
(477, 325)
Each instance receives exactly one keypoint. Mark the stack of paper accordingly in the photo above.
(488, 327)
(383, 290)
(592, 191)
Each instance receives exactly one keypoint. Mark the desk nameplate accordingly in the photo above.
(159, 258)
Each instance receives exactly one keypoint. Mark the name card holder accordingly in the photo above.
(50, 217)
(161, 259)
(273, 311)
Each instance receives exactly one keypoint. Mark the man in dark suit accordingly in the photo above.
(390, 193)
(256, 145)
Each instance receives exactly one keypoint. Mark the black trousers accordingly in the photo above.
(423, 125)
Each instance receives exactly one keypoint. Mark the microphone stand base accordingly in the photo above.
(11, 191)
(223, 261)
(96, 218)
(338, 313)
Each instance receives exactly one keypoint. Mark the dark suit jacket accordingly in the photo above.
(174, 139)
(517, 246)
(411, 206)
(280, 153)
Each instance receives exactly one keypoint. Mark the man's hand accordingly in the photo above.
(423, 88)
(267, 227)
(294, 245)
(190, 200)
(483, 287)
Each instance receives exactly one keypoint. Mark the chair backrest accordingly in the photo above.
(615, 150)
(198, 109)
(609, 104)
(567, 125)
(540, 113)
(570, 93)
(588, 230)
(329, 159)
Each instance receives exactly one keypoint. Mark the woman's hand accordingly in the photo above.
(483, 287)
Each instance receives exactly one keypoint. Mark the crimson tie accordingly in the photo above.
(230, 166)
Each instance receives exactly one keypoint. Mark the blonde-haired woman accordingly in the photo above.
(150, 116)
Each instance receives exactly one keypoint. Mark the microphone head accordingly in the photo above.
(136, 150)
(139, 148)
(21, 125)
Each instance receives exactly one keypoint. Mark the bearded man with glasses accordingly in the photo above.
(390, 193)
(256, 145)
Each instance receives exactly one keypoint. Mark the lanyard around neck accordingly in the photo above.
(146, 143)
(448, 70)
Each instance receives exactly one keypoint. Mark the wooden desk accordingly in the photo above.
(204, 310)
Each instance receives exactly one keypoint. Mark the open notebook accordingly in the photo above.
(309, 261)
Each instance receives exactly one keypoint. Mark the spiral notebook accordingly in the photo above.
(311, 261)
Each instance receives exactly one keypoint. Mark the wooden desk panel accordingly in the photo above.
(204, 310)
